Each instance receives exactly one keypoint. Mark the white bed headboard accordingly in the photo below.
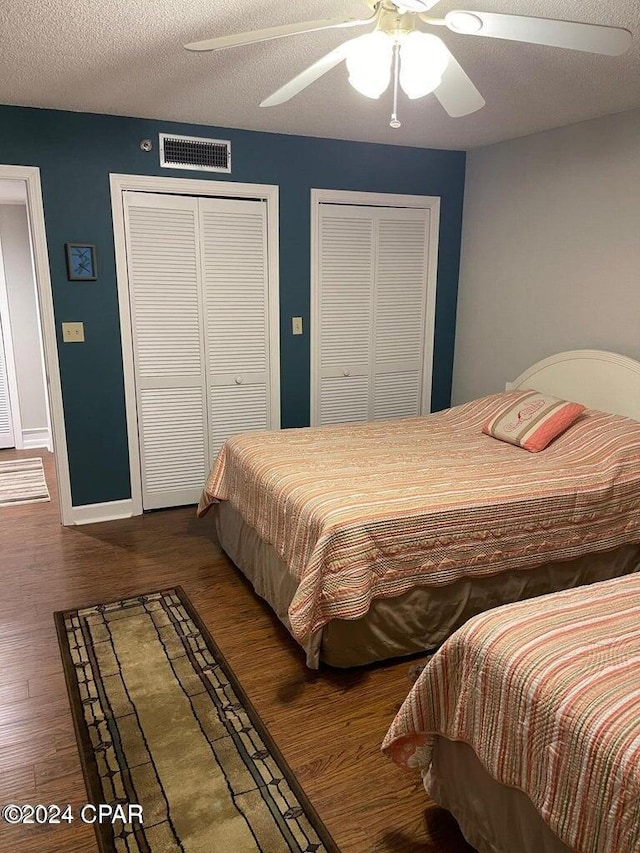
(600, 380)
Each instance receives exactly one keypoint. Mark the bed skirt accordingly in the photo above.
(492, 817)
(411, 623)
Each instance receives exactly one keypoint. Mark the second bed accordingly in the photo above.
(525, 724)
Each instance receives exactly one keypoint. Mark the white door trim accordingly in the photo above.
(186, 186)
(30, 175)
(9, 358)
(431, 203)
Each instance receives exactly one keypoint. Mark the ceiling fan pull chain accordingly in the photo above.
(395, 122)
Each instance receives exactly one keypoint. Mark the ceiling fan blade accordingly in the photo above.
(592, 38)
(457, 93)
(307, 77)
(222, 42)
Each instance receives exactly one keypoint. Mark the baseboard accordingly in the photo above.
(109, 511)
(32, 438)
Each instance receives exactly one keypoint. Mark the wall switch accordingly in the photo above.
(296, 325)
(73, 333)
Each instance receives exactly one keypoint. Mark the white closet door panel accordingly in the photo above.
(163, 282)
(172, 443)
(400, 304)
(344, 399)
(6, 423)
(233, 409)
(396, 395)
(235, 294)
(164, 271)
(235, 280)
(401, 286)
(346, 270)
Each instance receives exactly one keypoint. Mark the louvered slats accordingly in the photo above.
(396, 395)
(235, 285)
(233, 409)
(400, 291)
(346, 274)
(344, 399)
(163, 279)
(198, 283)
(174, 462)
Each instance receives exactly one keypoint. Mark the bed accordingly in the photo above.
(526, 724)
(377, 540)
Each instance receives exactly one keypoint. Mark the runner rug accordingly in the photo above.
(22, 482)
(162, 722)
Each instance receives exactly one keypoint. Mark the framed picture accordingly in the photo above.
(81, 262)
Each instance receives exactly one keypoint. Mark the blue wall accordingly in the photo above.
(77, 151)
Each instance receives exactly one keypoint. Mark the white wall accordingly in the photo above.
(551, 251)
(25, 329)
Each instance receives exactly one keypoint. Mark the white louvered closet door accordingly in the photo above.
(166, 307)
(370, 312)
(235, 293)
(344, 311)
(7, 438)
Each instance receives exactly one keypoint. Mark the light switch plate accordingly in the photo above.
(73, 333)
(296, 325)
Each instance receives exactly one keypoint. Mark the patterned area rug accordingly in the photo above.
(22, 482)
(161, 721)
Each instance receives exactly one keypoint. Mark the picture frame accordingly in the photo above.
(81, 261)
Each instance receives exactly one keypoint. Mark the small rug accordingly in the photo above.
(22, 482)
(162, 722)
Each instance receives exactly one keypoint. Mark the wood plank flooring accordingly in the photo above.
(328, 724)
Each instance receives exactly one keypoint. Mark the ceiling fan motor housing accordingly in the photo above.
(402, 5)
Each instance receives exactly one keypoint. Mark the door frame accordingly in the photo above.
(185, 186)
(6, 344)
(366, 199)
(30, 176)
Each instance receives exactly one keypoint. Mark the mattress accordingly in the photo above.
(546, 694)
(416, 621)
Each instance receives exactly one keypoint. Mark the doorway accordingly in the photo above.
(24, 404)
(30, 377)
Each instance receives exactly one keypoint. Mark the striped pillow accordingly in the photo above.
(531, 420)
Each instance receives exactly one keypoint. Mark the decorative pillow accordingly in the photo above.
(531, 420)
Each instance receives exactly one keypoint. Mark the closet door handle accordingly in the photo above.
(239, 380)
(346, 373)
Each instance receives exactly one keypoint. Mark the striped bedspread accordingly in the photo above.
(547, 692)
(373, 509)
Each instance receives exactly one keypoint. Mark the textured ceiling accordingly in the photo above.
(126, 57)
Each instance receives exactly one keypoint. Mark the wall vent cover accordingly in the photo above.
(193, 152)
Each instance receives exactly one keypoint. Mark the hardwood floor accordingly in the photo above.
(329, 724)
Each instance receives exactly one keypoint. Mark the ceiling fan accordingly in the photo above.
(419, 62)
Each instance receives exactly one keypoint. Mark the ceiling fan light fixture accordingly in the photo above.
(369, 63)
(463, 22)
(423, 61)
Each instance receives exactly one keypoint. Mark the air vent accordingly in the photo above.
(193, 152)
